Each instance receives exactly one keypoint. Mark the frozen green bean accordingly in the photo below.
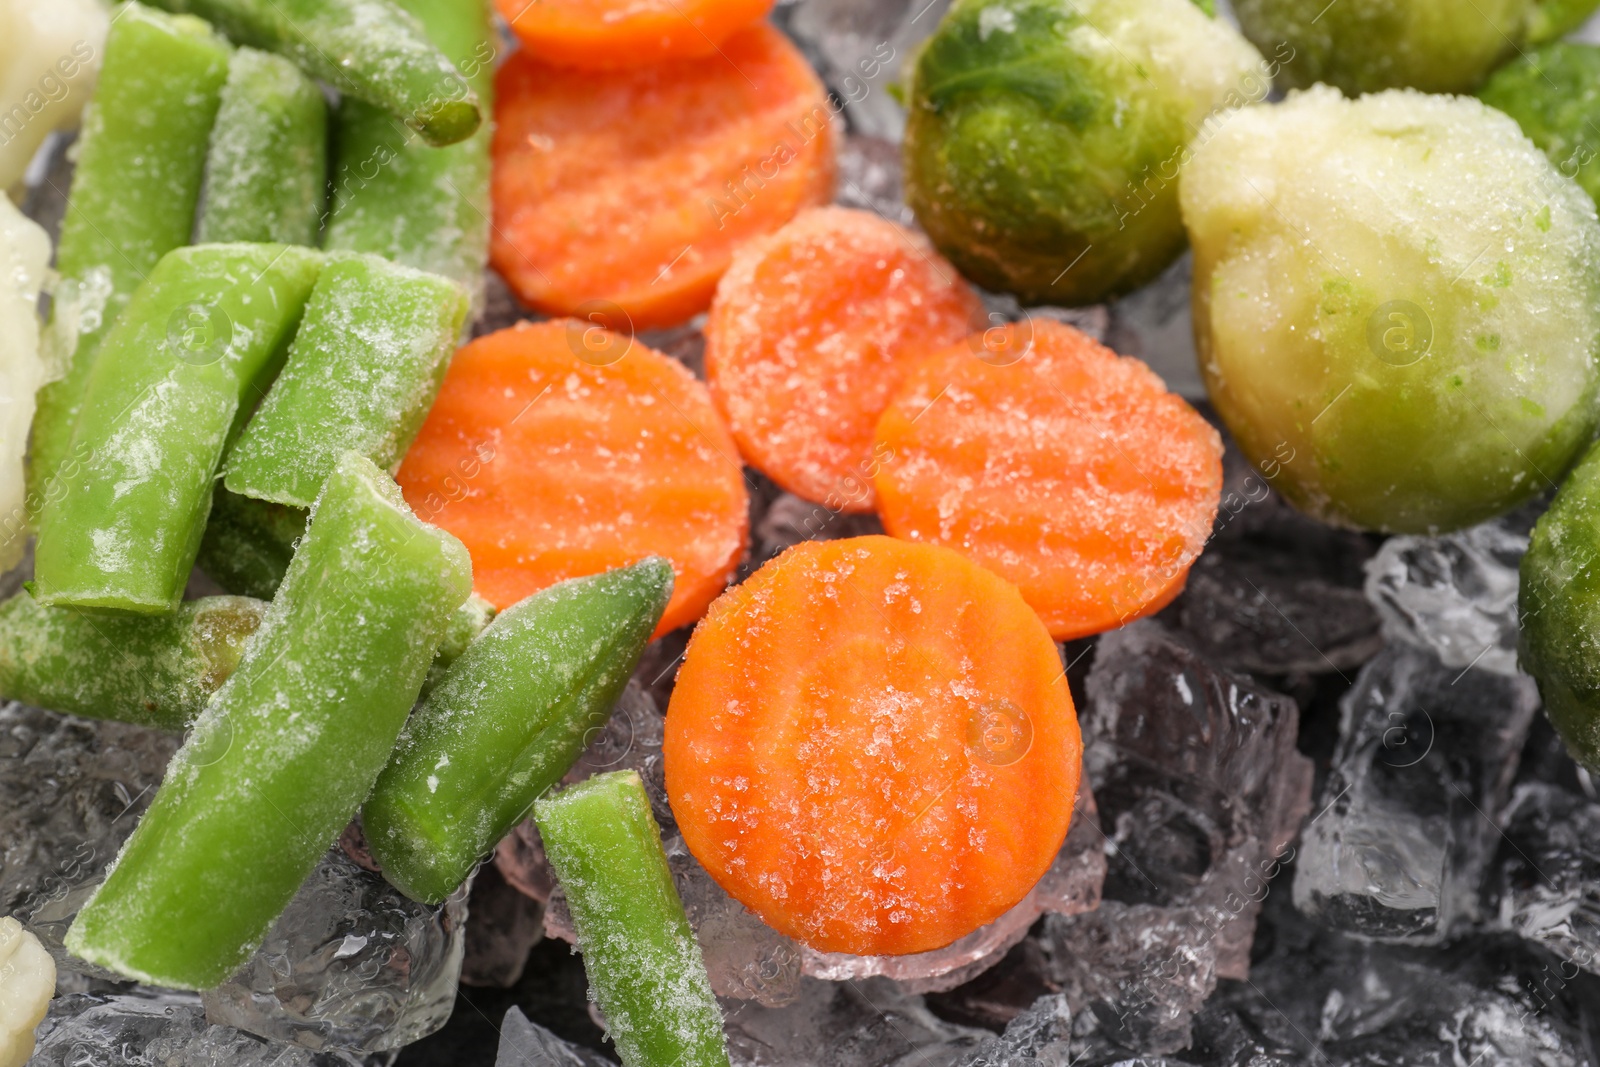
(362, 373)
(156, 670)
(248, 543)
(643, 962)
(506, 721)
(367, 49)
(285, 752)
(398, 197)
(141, 160)
(161, 406)
(266, 171)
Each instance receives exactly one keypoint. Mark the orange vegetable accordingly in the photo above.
(558, 449)
(871, 745)
(606, 35)
(626, 195)
(810, 333)
(1059, 465)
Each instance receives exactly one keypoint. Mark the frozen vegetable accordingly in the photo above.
(600, 36)
(49, 56)
(24, 261)
(1044, 137)
(1395, 305)
(1554, 94)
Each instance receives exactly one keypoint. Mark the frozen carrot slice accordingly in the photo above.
(605, 35)
(872, 746)
(557, 450)
(626, 196)
(1059, 465)
(810, 333)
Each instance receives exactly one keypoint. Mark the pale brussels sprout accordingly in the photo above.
(1441, 46)
(1396, 305)
(1045, 137)
(1554, 94)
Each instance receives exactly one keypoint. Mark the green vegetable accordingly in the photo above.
(266, 173)
(1554, 94)
(397, 197)
(141, 160)
(285, 752)
(1045, 137)
(198, 337)
(248, 543)
(166, 395)
(506, 722)
(153, 670)
(1439, 46)
(1560, 606)
(643, 962)
(367, 49)
(362, 373)
(1396, 305)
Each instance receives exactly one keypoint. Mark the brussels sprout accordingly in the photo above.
(1560, 605)
(1554, 94)
(1396, 305)
(1441, 46)
(1045, 137)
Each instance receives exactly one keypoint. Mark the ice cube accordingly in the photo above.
(1406, 822)
(1276, 592)
(1200, 786)
(527, 1044)
(1454, 595)
(72, 790)
(1546, 886)
(1039, 1036)
(870, 178)
(1153, 324)
(871, 1023)
(505, 925)
(350, 964)
(860, 50)
(160, 1029)
(789, 521)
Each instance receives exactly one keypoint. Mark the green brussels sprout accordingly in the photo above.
(1044, 137)
(1554, 94)
(1560, 605)
(1396, 305)
(1440, 46)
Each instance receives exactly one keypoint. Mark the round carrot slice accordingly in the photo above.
(559, 449)
(1059, 465)
(872, 746)
(626, 195)
(605, 35)
(810, 333)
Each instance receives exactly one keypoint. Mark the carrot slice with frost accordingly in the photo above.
(810, 333)
(625, 196)
(558, 450)
(1063, 467)
(605, 35)
(872, 746)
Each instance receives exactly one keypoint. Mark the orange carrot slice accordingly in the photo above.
(626, 195)
(810, 333)
(1058, 464)
(558, 449)
(606, 35)
(872, 746)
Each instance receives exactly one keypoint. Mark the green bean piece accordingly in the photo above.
(367, 49)
(396, 196)
(290, 745)
(643, 962)
(141, 160)
(156, 670)
(506, 722)
(266, 172)
(248, 543)
(247, 548)
(166, 396)
(362, 373)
